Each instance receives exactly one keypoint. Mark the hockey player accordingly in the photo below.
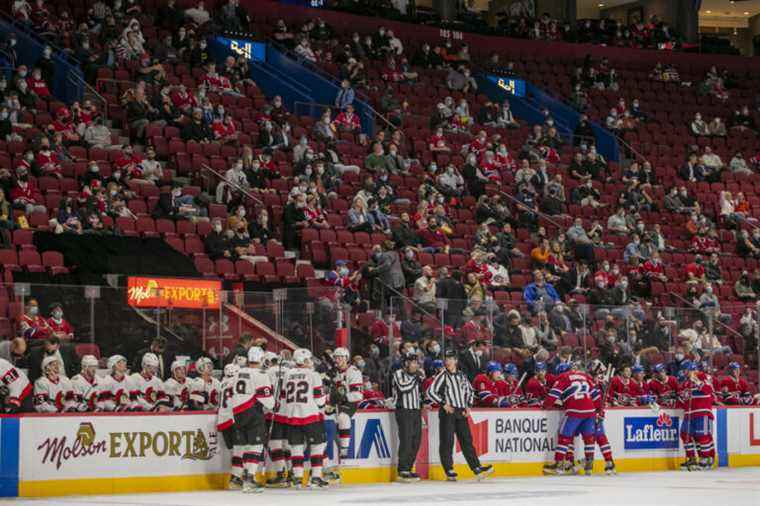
(253, 394)
(511, 382)
(146, 390)
(87, 385)
(16, 392)
(53, 392)
(344, 399)
(734, 390)
(491, 389)
(697, 397)
(580, 398)
(598, 371)
(537, 387)
(304, 403)
(177, 388)
(279, 450)
(205, 389)
(225, 423)
(662, 387)
(114, 390)
(436, 368)
(624, 391)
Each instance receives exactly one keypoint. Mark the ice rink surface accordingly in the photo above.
(716, 488)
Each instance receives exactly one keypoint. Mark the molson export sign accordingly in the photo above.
(173, 292)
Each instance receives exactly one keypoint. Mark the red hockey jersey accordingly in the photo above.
(578, 394)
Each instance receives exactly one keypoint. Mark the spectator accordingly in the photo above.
(617, 223)
(539, 295)
(582, 243)
(197, 130)
(699, 127)
(425, 290)
(743, 287)
(450, 182)
(348, 121)
(345, 96)
(738, 165)
(52, 347)
(461, 80)
(15, 351)
(717, 128)
(358, 220)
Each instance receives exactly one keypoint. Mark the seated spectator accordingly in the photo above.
(358, 219)
(695, 271)
(738, 165)
(699, 127)
(743, 287)
(693, 170)
(225, 130)
(743, 120)
(744, 246)
(717, 128)
(304, 50)
(345, 96)
(617, 223)
(197, 130)
(324, 129)
(539, 295)
(461, 80)
(348, 121)
(437, 142)
(450, 182)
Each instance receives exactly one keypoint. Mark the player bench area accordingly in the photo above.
(107, 453)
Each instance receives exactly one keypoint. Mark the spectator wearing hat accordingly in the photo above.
(59, 327)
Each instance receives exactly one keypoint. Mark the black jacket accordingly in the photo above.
(165, 360)
(70, 361)
(216, 243)
(470, 365)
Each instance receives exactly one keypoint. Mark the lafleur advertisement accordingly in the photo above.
(106, 446)
(173, 292)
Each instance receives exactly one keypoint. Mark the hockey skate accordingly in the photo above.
(279, 481)
(609, 468)
(251, 486)
(235, 483)
(588, 468)
(559, 468)
(483, 472)
(332, 475)
(706, 464)
(451, 476)
(316, 482)
(404, 477)
(415, 476)
(296, 482)
(690, 465)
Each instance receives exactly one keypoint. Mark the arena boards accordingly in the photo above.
(134, 453)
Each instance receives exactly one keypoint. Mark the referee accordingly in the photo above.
(452, 391)
(406, 390)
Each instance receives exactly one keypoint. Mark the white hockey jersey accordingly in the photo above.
(178, 394)
(205, 393)
(146, 394)
(277, 378)
(53, 396)
(16, 381)
(86, 392)
(252, 387)
(114, 394)
(304, 398)
(224, 416)
(351, 382)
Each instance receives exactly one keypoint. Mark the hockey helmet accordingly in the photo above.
(493, 366)
(301, 355)
(437, 364)
(562, 367)
(540, 366)
(341, 352)
(150, 360)
(597, 367)
(255, 355)
(231, 370)
(89, 361)
(510, 369)
(47, 361)
(659, 368)
(115, 359)
(636, 369)
(690, 366)
(734, 365)
(203, 363)
(176, 365)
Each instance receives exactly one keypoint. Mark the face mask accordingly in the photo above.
(203, 46)
(409, 255)
(361, 365)
(217, 228)
(307, 172)
(436, 348)
(94, 168)
(22, 73)
(343, 271)
(58, 314)
(13, 42)
(34, 310)
(479, 353)
(679, 356)
(374, 351)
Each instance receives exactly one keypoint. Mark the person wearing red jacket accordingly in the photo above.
(624, 391)
(697, 398)
(653, 268)
(59, 327)
(491, 389)
(733, 388)
(25, 193)
(348, 121)
(662, 387)
(580, 398)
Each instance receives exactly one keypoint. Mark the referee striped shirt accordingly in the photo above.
(452, 388)
(406, 389)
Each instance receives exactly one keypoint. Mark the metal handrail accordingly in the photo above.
(31, 33)
(90, 89)
(233, 184)
(692, 306)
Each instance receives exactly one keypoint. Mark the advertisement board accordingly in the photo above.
(173, 292)
(64, 454)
